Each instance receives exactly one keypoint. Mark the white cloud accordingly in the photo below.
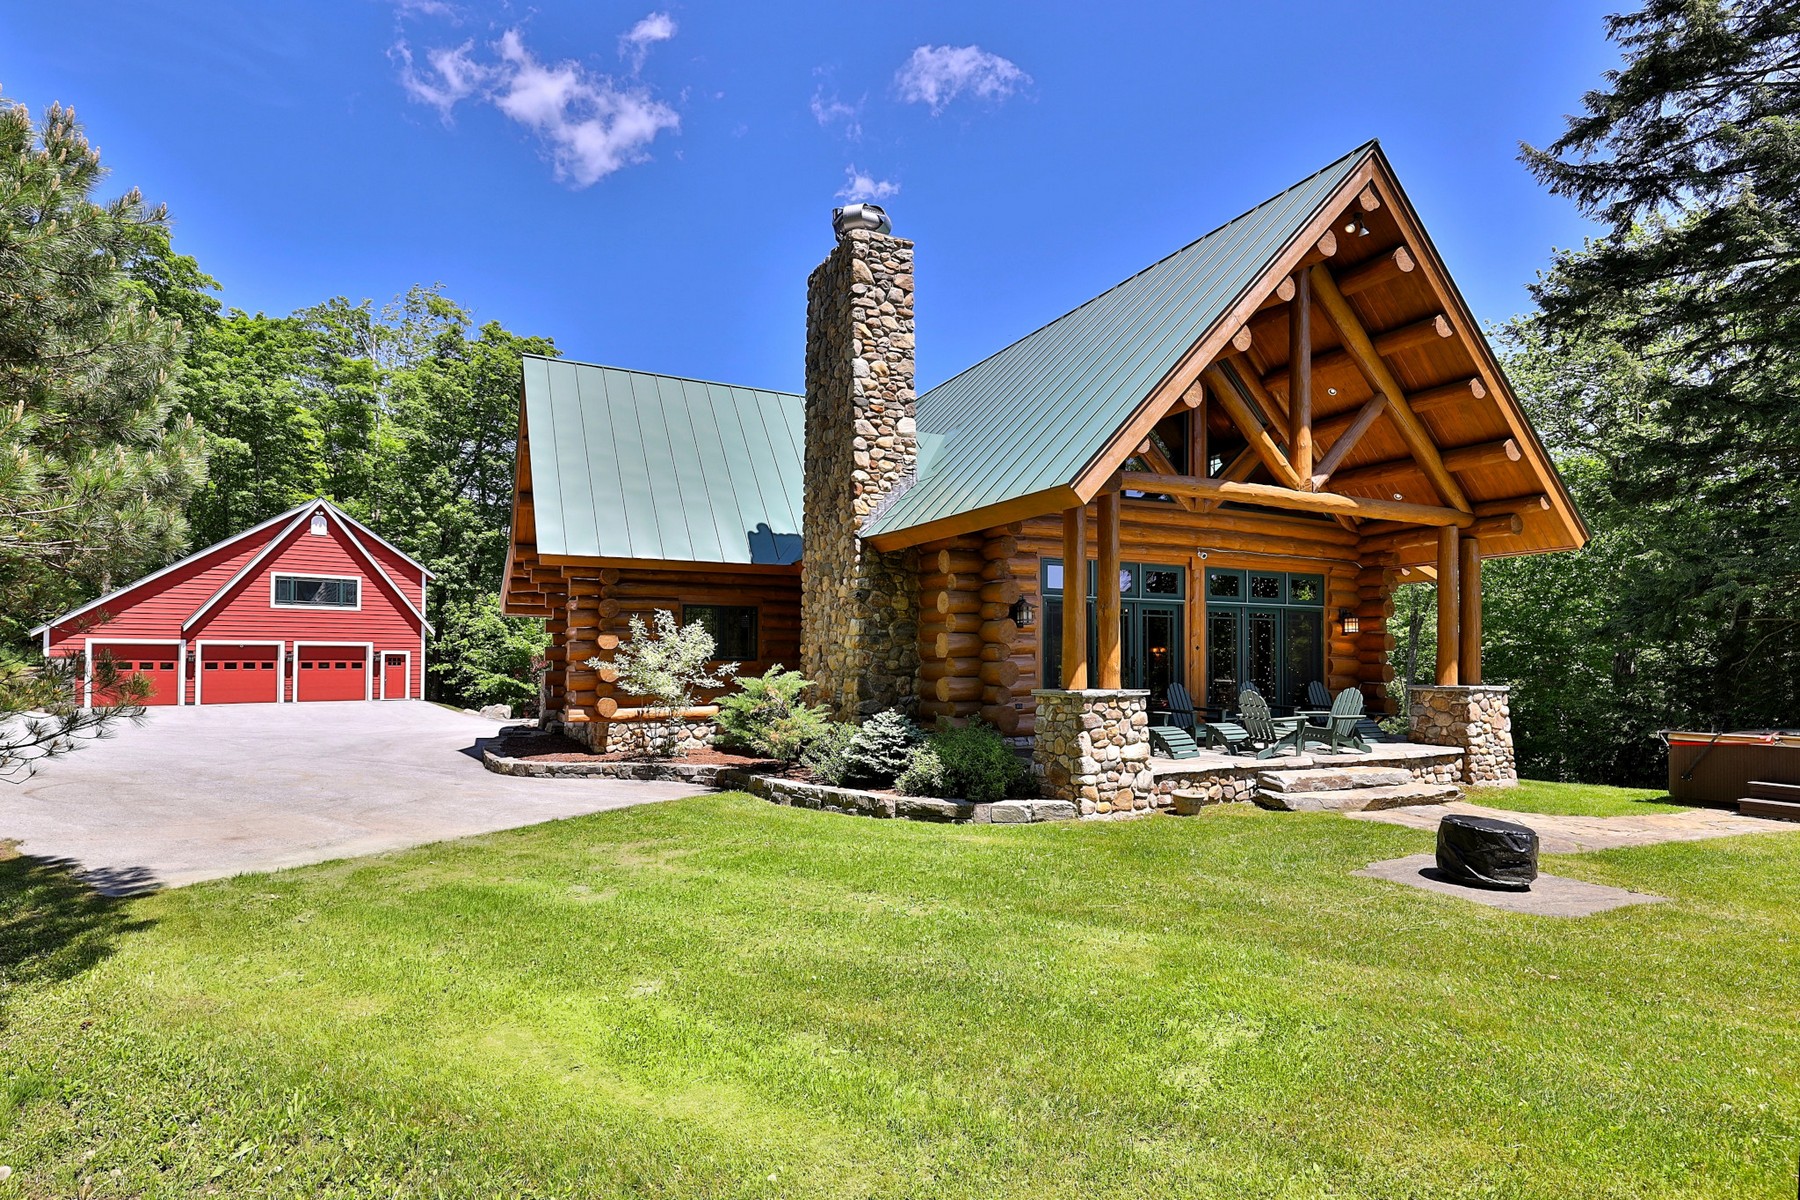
(453, 75)
(936, 75)
(635, 44)
(425, 8)
(835, 112)
(590, 125)
(861, 186)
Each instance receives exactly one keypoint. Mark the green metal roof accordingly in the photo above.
(1032, 416)
(627, 464)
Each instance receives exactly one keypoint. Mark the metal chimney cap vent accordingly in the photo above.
(860, 216)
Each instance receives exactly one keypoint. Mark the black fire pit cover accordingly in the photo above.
(1483, 852)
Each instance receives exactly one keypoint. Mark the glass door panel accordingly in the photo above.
(1159, 646)
(1224, 657)
(1303, 654)
(1262, 653)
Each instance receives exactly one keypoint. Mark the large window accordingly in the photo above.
(303, 591)
(1265, 628)
(1152, 599)
(733, 628)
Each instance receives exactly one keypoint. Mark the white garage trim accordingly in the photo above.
(368, 649)
(87, 652)
(200, 645)
(383, 667)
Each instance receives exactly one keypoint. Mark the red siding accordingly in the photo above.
(157, 609)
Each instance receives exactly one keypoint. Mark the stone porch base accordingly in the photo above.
(1224, 778)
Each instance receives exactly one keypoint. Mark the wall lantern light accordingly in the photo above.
(1023, 614)
(1350, 621)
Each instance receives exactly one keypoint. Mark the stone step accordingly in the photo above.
(1359, 799)
(1331, 779)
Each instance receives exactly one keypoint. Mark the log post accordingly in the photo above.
(1448, 655)
(1300, 451)
(1074, 628)
(1469, 588)
(1108, 606)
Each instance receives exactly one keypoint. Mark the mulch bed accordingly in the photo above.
(555, 747)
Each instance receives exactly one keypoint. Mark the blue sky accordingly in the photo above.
(649, 184)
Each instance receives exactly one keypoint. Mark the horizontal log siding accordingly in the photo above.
(594, 607)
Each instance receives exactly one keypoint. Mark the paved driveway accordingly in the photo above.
(202, 793)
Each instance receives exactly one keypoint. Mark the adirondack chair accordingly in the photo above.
(1173, 742)
(1227, 736)
(1269, 735)
(1180, 713)
(1341, 723)
(1318, 712)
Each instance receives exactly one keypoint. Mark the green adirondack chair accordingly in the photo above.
(1172, 742)
(1340, 731)
(1227, 736)
(1270, 735)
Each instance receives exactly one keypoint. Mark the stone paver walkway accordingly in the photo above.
(1576, 835)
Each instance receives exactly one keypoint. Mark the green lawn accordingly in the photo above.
(1576, 799)
(721, 997)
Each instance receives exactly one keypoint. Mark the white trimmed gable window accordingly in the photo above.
(308, 591)
(318, 524)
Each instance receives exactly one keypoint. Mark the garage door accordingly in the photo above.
(160, 667)
(331, 673)
(239, 674)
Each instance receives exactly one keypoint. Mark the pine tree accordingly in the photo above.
(94, 470)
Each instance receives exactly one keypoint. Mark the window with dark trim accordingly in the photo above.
(733, 628)
(316, 593)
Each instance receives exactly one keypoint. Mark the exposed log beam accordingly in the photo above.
(1300, 451)
(1195, 396)
(1462, 458)
(1248, 423)
(1074, 630)
(1383, 268)
(1469, 612)
(1388, 537)
(1537, 502)
(1448, 652)
(1368, 199)
(1160, 463)
(1447, 396)
(1270, 409)
(1346, 441)
(1242, 340)
(1356, 340)
(1284, 291)
(1336, 362)
(1107, 603)
(1330, 503)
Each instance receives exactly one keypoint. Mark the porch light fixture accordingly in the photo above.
(1023, 614)
(1357, 225)
(1350, 621)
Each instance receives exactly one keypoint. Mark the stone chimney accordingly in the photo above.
(858, 606)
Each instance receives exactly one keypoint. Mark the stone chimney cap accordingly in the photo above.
(860, 216)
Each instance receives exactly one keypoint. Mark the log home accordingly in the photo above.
(1247, 447)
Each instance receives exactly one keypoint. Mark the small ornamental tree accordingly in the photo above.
(668, 670)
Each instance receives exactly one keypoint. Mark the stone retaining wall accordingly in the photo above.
(1093, 749)
(1475, 718)
(795, 792)
(1203, 787)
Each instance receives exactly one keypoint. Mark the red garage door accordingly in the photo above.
(239, 674)
(331, 673)
(159, 665)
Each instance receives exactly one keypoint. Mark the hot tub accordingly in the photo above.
(1718, 768)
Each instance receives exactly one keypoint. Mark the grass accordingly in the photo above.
(724, 998)
(1576, 799)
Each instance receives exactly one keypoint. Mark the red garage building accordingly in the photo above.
(309, 605)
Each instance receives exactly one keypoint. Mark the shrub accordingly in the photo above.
(882, 748)
(668, 670)
(970, 763)
(828, 755)
(766, 715)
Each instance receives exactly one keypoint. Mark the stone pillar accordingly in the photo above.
(858, 606)
(1474, 718)
(1093, 748)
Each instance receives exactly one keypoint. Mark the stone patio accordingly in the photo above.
(1224, 778)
